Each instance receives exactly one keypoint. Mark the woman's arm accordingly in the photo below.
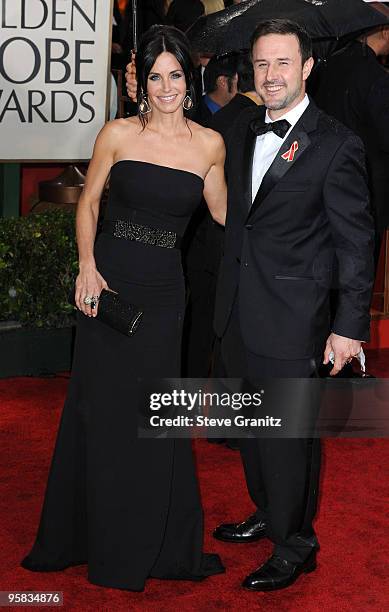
(215, 188)
(89, 281)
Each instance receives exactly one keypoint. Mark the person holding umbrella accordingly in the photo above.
(298, 218)
(354, 87)
(206, 246)
(179, 13)
(183, 13)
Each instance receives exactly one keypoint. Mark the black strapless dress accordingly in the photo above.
(129, 508)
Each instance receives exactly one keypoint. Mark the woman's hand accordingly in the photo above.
(89, 283)
(131, 81)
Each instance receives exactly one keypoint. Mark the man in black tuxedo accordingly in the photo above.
(201, 348)
(220, 85)
(298, 217)
(246, 97)
(201, 252)
(354, 87)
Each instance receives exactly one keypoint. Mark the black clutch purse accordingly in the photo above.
(115, 312)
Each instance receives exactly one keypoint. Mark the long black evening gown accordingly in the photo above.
(129, 508)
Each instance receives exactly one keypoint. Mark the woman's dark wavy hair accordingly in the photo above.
(155, 41)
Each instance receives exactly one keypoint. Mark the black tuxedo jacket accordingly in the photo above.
(354, 88)
(309, 224)
(205, 237)
(202, 114)
(224, 119)
(222, 122)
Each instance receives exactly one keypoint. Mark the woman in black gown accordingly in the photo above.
(129, 508)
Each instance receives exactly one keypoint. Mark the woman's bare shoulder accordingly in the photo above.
(116, 133)
(211, 139)
(121, 126)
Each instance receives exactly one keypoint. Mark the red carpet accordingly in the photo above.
(352, 524)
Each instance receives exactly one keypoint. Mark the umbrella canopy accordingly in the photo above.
(323, 19)
(207, 32)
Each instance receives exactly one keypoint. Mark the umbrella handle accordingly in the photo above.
(135, 24)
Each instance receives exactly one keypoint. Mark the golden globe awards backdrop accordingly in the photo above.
(54, 85)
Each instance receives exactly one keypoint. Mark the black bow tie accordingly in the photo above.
(280, 128)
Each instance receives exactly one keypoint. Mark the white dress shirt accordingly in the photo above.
(268, 145)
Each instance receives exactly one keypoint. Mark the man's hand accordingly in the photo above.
(344, 350)
(131, 82)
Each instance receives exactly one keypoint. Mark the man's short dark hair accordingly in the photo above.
(284, 26)
(219, 66)
(245, 72)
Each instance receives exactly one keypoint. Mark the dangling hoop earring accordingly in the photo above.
(144, 106)
(187, 103)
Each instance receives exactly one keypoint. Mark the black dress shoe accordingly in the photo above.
(278, 573)
(250, 530)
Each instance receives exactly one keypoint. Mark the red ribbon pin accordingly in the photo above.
(289, 155)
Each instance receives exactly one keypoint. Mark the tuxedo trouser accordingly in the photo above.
(282, 474)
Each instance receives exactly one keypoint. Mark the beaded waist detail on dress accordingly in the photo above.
(127, 229)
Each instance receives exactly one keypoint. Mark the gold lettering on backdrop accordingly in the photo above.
(59, 61)
(35, 14)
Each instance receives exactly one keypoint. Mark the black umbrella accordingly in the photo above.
(135, 24)
(323, 19)
(206, 34)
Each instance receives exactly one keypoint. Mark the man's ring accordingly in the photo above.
(88, 300)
